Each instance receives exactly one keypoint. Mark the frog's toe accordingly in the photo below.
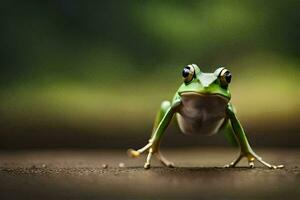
(251, 164)
(147, 165)
(164, 161)
(276, 167)
(231, 165)
(168, 163)
(171, 165)
(269, 165)
(133, 153)
(279, 166)
(235, 162)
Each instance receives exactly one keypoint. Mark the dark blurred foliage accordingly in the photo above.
(62, 37)
(82, 63)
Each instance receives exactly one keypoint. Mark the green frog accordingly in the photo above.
(201, 105)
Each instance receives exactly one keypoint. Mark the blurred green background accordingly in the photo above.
(93, 73)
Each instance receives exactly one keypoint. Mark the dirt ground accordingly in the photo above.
(82, 174)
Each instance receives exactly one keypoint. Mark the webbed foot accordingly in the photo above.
(152, 149)
(251, 157)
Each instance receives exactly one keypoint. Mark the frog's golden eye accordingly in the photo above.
(225, 77)
(188, 73)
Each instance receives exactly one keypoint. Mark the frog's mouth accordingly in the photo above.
(199, 94)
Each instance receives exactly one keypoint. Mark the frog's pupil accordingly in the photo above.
(185, 72)
(228, 77)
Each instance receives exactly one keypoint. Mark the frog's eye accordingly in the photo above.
(225, 77)
(188, 73)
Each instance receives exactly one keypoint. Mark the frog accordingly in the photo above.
(201, 105)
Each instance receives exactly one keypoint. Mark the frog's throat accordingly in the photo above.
(203, 94)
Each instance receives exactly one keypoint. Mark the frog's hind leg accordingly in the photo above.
(245, 148)
(164, 108)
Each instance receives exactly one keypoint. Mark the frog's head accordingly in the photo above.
(197, 82)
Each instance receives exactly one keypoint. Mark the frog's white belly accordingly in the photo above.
(201, 114)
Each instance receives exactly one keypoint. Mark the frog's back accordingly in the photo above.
(201, 114)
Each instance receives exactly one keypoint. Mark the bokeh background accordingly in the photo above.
(92, 74)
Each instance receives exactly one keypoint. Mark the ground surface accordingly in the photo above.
(199, 175)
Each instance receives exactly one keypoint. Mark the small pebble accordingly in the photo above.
(104, 166)
(44, 165)
(121, 164)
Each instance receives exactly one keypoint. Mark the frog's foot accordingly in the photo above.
(136, 153)
(152, 149)
(164, 161)
(251, 157)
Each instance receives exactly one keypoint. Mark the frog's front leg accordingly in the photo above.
(246, 150)
(162, 121)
